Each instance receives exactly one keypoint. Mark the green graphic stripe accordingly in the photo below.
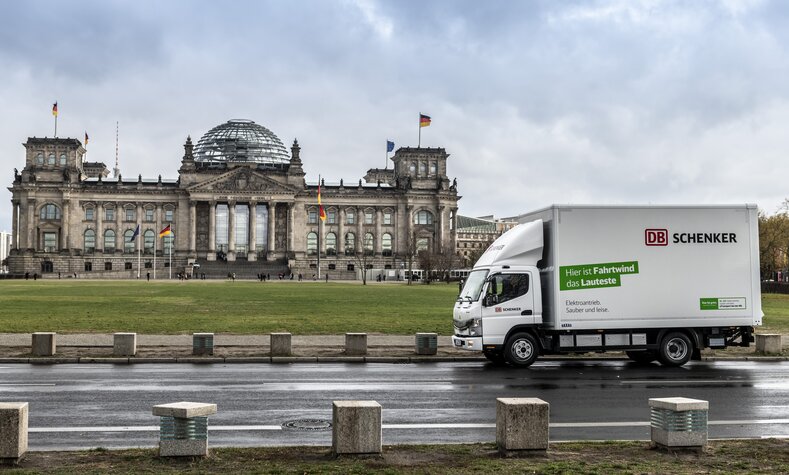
(595, 276)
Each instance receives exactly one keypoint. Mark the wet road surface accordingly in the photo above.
(83, 406)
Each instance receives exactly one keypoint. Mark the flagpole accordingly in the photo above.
(139, 259)
(320, 221)
(154, 257)
(170, 265)
(419, 122)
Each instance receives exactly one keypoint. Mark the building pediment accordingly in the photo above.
(241, 181)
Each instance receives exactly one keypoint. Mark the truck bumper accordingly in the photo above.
(471, 343)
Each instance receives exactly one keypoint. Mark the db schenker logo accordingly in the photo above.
(656, 237)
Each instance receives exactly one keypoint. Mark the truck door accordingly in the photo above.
(508, 301)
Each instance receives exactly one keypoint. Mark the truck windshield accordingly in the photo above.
(473, 286)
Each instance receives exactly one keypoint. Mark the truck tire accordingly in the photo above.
(521, 350)
(642, 357)
(675, 349)
(495, 357)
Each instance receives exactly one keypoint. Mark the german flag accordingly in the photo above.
(321, 211)
(166, 231)
(424, 120)
(55, 109)
(86, 138)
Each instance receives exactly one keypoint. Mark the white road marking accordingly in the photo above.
(27, 384)
(239, 428)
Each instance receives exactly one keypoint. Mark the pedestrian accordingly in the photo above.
(27, 275)
(148, 275)
(327, 277)
(234, 277)
(35, 276)
(58, 275)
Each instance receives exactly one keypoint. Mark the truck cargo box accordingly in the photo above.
(607, 267)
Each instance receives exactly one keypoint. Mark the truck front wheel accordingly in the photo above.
(521, 349)
(675, 349)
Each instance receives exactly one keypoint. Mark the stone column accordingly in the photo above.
(64, 225)
(231, 230)
(272, 223)
(441, 223)
(119, 212)
(378, 220)
(212, 231)
(192, 227)
(99, 228)
(359, 229)
(341, 232)
(409, 227)
(289, 224)
(253, 232)
(15, 224)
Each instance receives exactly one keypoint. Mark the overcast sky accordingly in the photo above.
(614, 102)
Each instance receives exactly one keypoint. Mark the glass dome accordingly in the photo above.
(241, 141)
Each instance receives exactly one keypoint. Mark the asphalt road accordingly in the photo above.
(82, 406)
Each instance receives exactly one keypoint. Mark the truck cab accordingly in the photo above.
(501, 300)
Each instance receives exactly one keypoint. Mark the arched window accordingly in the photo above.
(90, 240)
(51, 158)
(369, 242)
(109, 240)
(148, 240)
(312, 244)
(49, 211)
(350, 244)
(386, 244)
(62, 158)
(40, 158)
(423, 217)
(331, 244)
(128, 244)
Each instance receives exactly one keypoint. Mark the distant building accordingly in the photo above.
(240, 200)
(5, 249)
(474, 235)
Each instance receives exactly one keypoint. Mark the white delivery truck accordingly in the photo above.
(658, 282)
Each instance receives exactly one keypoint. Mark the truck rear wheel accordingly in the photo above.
(643, 357)
(675, 349)
(521, 349)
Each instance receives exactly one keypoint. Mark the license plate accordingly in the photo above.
(459, 343)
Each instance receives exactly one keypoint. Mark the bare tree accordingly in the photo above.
(443, 263)
(410, 254)
(427, 263)
(362, 259)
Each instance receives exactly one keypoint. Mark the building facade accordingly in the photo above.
(240, 202)
(474, 235)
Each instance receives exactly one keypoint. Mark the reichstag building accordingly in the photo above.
(240, 204)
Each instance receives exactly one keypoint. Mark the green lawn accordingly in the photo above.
(67, 306)
(224, 307)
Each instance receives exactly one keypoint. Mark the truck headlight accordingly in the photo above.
(475, 329)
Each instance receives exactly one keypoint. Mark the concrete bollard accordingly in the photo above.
(356, 427)
(280, 344)
(202, 344)
(13, 431)
(124, 344)
(356, 344)
(768, 343)
(426, 343)
(522, 424)
(183, 431)
(678, 422)
(44, 343)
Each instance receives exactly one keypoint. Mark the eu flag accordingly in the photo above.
(135, 234)
(389, 146)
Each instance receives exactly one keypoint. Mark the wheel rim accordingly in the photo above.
(522, 349)
(676, 349)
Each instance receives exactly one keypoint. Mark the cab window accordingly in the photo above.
(504, 287)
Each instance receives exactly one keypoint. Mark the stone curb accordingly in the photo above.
(327, 359)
